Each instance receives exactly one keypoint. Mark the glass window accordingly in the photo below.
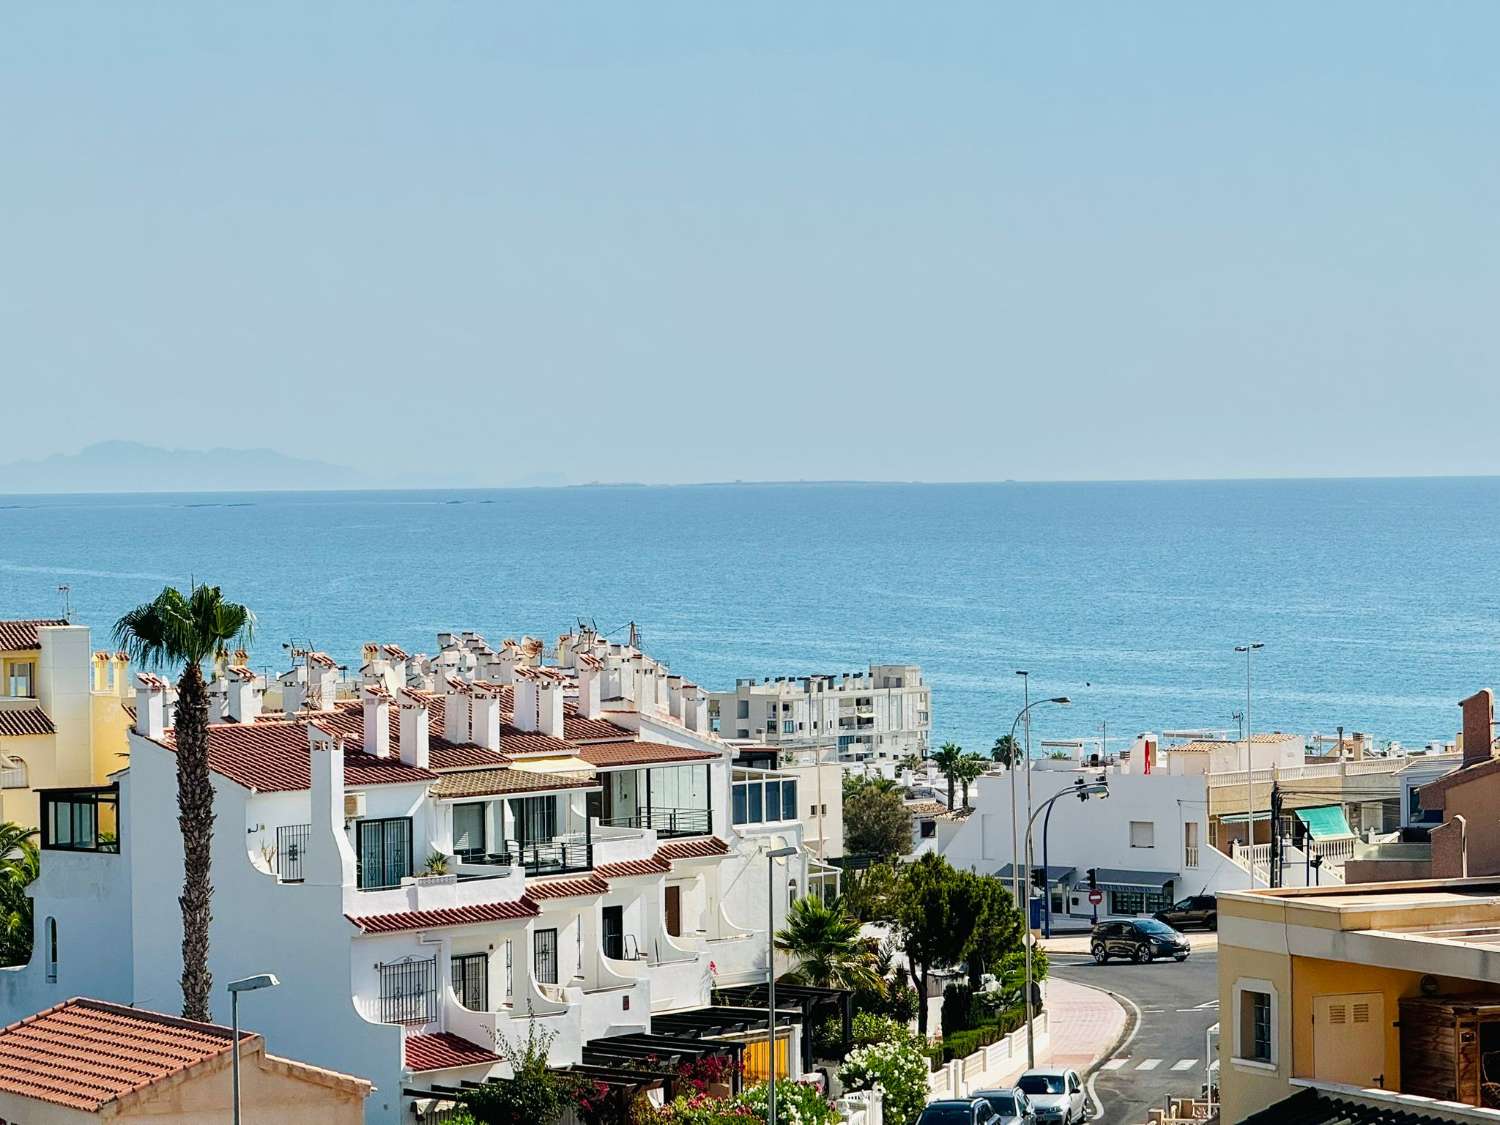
(468, 830)
(1255, 1026)
(544, 956)
(743, 710)
(81, 820)
(788, 800)
(471, 980)
(384, 851)
(741, 804)
(757, 807)
(1142, 834)
(23, 679)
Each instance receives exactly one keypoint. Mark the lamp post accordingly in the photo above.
(1015, 866)
(1249, 649)
(246, 984)
(1083, 790)
(771, 858)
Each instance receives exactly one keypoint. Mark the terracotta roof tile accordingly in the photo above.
(568, 888)
(448, 916)
(692, 849)
(444, 1051)
(488, 782)
(85, 1054)
(21, 721)
(272, 757)
(640, 753)
(22, 635)
(578, 729)
(653, 866)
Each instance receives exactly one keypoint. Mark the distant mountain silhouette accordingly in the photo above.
(130, 466)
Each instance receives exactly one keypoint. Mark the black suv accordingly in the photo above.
(1198, 910)
(1140, 939)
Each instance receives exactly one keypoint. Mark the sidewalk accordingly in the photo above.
(1082, 1026)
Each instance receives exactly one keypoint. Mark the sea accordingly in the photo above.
(1377, 601)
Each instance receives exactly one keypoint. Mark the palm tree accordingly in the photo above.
(1005, 751)
(970, 768)
(824, 937)
(948, 755)
(168, 630)
(19, 864)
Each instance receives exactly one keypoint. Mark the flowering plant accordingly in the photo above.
(899, 1066)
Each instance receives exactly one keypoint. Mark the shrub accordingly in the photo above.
(797, 1103)
(901, 1002)
(534, 1095)
(901, 1068)
(958, 1009)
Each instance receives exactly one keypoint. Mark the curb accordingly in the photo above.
(1127, 1033)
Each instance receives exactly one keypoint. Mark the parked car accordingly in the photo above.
(1056, 1095)
(1195, 910)
(1011, 1105)
(958, 1111)
(1140, 939)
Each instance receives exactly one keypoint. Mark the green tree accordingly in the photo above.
(855, 783)
(870, 895)
(1006, 750)
(970, 769)
(824, 937)
(876, 823)
(173, 629)
(996, 928)
(947, 760)
(19, 864)
(929, 922)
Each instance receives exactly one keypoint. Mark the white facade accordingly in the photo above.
(882, 714)
(573, 894)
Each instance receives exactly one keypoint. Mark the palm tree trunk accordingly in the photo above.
(950, 792)
(195, 818)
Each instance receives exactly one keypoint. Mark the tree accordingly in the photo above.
(1006, 750)
(948, 755)
(168, 630)
(824, 937)
(19, 864)
(928, 920)
(997, 926)
(970, 769)
(876, 823)
(859, 783)
(870, 895)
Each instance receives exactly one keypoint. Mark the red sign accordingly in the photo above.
(1096, 897)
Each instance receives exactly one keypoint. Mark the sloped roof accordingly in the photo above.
(625, 868)
(444, 1051)
(447, 916)
(692, 849)
(590, 884)
(18, 636)
(21, 721)
(272, 757)
(490, 782)
(605, 754)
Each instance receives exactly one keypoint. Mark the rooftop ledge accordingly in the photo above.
(1403, 1103)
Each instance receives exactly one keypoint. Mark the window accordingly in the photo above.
(23, 679)
(1142, 834)
(471, 981)
(742, 710)
(1190, 843)
(408, 991)
(1255, 1022)
(291, 850)
(81, 820)
(788, 727)
(759, 799)
(468, 830)
(51, 935)
(535, 819)
(929, 829)
(1137, 902)
(384, 851)
(544, 956)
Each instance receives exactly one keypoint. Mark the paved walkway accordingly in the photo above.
(1083, 1024)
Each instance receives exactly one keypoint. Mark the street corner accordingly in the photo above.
(1084, 1024)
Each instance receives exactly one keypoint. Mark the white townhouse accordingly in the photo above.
(431, 857)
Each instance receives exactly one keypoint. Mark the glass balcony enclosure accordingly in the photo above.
(763, 796)
(81, 820)
(547, 835)
(673, 800)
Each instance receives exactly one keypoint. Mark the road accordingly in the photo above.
(1178, 1004)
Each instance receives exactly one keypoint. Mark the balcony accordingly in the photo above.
(81, 820)
(551, 857)
(668, 823)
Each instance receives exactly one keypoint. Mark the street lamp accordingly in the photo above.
(247, 984)
(771, 858)
(1015, 866)
(1083, 790)
(1249, 650)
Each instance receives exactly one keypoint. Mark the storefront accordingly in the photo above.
(1130, 893)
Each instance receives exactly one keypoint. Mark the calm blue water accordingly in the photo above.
(1378, 601)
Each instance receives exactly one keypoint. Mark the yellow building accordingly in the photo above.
(1386, 992)
(62, 713)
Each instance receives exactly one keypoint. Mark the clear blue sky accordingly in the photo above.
(679, 242)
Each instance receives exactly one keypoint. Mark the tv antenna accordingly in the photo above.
(67, 600)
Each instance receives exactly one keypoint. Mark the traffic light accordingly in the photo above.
(1039, 879)
(1093, 878)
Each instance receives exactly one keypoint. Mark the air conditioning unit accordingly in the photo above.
(354, 805)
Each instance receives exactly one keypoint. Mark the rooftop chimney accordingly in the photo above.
(322, 681)
(674, 697)
(455, 710)
(377, 724)
(293, 689)
(415, 744)
(1479, 725)
(329, 860)
(694, 708)
(549, 708)
(524, 714)
(590, 672)
(150, 705)
(484, 718)
(124, 685)
(218, 698)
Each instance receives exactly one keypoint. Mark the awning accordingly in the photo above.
(1056, 873)
(563, 765)
(1122, 879)
(1324, 822)
(1239, 817)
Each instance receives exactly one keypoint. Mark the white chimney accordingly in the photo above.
(244, 694)
(377, 724)
(484, 718)
(674, 697)
(695, 708)
(590, 672)
(329, 860)
(506, 663)
(218, 699)
(150, 705)
(293, 689)
(455, 710)
(524, 714)
(322, 681)
(550, 706)
(124, 684)
(415, 743)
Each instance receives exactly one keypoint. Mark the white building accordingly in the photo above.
(603, 872)
(884, 714)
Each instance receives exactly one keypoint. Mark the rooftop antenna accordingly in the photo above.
(635, 637)
(67, 599)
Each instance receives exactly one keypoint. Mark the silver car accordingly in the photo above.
(1011, 1105)
(1056, 1095)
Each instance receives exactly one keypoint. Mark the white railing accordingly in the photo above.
(1335, 850)
(1190, 855)
(1315, 770)
(864, 1107)
(13, 777)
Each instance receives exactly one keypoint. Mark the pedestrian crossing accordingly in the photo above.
(1147, 1064)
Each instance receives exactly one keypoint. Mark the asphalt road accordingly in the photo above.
(1178, 1003)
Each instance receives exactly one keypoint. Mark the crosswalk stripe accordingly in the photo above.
(1184, 1064)
(1114, 1064)
(1149, 1064)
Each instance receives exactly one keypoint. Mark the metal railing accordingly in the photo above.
(667, 822)
(408, 991)
(291, 848)
(555, 857)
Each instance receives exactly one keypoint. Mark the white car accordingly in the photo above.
(1056, 1095)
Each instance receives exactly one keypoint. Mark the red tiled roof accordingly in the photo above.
(639, 753)
(23, 721)
(451, 756)
(578, 729)
(692, 849)
(653, 866)
(20, 635)
(85, 1054)
(444, 1051)
(448, 916)
(590, 884)
(272, 757)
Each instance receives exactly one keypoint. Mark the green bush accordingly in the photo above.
(797, 1103)
(901, 1068)
(958, 1009)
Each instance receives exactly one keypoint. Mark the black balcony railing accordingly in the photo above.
(291, 848)
(552, 857)
(668, 823)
